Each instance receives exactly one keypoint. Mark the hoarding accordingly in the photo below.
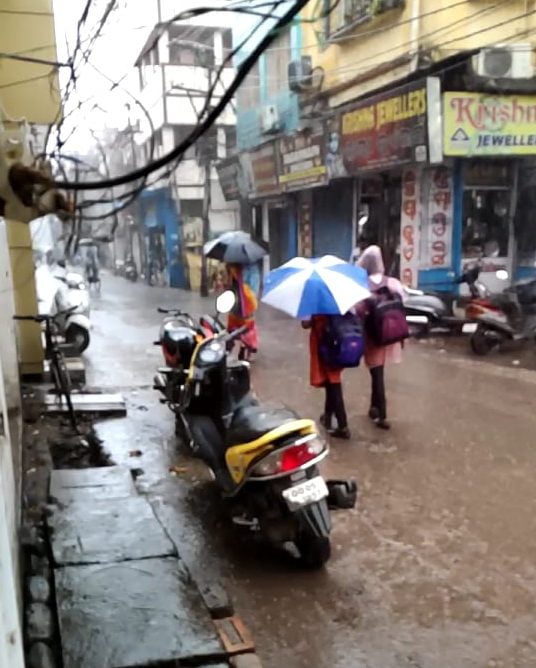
(479, 124)
(302, 160)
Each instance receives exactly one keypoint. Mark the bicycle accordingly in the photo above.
(53, 353)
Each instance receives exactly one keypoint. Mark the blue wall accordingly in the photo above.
(248, 121)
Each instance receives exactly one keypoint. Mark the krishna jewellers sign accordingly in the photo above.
(482, 124)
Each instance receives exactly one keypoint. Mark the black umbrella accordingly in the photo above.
(235, 248)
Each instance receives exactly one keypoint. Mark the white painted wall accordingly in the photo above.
(11, 653)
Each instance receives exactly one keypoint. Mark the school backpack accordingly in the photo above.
(386, 320)
(342, 342)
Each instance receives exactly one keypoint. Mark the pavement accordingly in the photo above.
(434, 569)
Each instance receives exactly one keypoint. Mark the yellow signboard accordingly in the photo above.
(477, 124)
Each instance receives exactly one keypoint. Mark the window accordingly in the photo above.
(230, 140)
(180, 132)
(227, 39)
(277, 59)
(191, 45)
(353, 12)
(357, 10)
(248, 95)
(486, 210)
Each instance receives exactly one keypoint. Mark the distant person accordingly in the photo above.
(244, 310)
(376, 354)
(329, 379)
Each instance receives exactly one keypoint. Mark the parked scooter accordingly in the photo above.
(429, 313)
(264, 458)
(507, 316)
(60, 291)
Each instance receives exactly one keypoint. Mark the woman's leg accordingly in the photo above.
(338, 406)
(327, 417)
(378, 394)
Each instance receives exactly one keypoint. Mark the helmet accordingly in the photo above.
(178, 342)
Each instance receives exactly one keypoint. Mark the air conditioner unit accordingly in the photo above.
(300, 74)
(504, 61)
(270, 119)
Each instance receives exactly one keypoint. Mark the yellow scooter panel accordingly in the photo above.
(239, 457)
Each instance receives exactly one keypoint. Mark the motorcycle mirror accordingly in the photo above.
(502, 274)
(225, 302)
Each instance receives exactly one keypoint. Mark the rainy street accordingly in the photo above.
(435, 566)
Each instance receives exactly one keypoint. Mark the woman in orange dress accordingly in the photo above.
(329, 379)
(244, 311)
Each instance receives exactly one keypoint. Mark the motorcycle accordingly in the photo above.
(507, 316)
(60, 291)
(263, 458)
(429, 313)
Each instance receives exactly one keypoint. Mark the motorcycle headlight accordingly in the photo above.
(211, 353)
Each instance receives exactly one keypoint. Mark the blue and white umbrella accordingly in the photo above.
(326, 285)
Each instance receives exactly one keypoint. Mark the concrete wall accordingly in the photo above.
(10, 471)
(442, 28)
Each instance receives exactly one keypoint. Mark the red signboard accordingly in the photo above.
(387, 130)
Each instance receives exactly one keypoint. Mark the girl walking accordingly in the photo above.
(377, 356)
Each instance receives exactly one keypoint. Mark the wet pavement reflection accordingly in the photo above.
(435, 568)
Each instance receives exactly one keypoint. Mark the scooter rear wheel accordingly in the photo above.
(481, 341)
(315, 551)
(78, 337)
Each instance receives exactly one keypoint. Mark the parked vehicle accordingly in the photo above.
(507, 316)
(428, 312)
(65, 293)
(130, 269)
(264, 458)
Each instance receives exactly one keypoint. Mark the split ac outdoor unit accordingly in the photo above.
(508, 61)
(270, 119)
(300, 74)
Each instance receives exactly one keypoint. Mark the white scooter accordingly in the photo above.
(59, 290)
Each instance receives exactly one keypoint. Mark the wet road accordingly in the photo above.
(435, 569)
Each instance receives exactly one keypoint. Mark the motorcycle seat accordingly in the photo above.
(250, 422)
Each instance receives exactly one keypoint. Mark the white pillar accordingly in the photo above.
(8, 340)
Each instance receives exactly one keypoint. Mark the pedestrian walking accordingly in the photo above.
(244, 311)
(388, 291)
(328, 378)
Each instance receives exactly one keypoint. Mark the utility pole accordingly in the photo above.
(206, 200)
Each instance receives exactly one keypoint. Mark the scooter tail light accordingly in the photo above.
(289, 459)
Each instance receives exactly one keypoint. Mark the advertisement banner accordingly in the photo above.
(263, 176)
(302, 160)
(410, 223)
(482, 124)
(387, 130)
(229, 175)
(436, 248)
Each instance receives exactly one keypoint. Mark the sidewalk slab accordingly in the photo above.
(105, 482)
(132, 614)
(107, 530)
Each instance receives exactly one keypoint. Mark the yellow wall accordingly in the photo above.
(26, 89)
(30, 91)
(449, 26)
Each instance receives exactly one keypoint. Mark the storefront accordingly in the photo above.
(387, 141)
(490, 140)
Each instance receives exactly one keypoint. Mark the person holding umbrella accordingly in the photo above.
(240, 253)
(313, 290)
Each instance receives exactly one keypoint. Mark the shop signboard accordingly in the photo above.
(302, 160)
(410, 220)
(436, 247)
(393, 129)
(480, 124)
(262, 172)
(229, 175)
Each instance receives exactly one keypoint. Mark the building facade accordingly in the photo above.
(424, 112)
(176, 68)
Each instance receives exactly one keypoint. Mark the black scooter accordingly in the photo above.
(264, 458)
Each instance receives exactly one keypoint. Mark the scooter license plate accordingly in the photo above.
(305, 493)
(469, 327)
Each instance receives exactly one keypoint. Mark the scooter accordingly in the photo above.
(429, 313)
(263, 458)
(508, 316)
(60, 291)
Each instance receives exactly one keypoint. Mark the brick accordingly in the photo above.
(38, 589)
(41, 656)
(246, 661)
